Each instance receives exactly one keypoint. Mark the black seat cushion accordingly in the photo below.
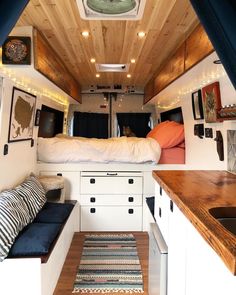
(54, 213)
(35, 240)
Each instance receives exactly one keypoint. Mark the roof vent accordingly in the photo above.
(111, 9)
(119, 68)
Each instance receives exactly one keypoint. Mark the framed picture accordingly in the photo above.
(21, 116)
(17, 50)
(197, 105)
(211, 102)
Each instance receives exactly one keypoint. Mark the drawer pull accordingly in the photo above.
(92, 180)
(59, 174)
(131, 181)
(112, 174)
(131, 199)
(92, 210)
(171, 206)
(131, 211)
(160, 191)
(160, 212)
(92, 200)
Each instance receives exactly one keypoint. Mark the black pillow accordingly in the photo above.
(54, 213)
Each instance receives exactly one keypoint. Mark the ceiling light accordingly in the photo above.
(128, 76)
(93, 60)
(85, 34)
(132, 61)
(141, 34)
(97, 75)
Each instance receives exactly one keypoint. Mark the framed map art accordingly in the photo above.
(22, 115)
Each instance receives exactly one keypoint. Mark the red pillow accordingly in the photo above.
(168, 134)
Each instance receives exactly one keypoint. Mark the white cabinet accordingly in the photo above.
(193, 266)
(176, 250)
(162, 211)
(111, 201)
(205, 271)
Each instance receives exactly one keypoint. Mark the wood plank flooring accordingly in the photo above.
(67, 277)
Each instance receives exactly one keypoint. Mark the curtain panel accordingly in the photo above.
(10, 11)
(218, 17)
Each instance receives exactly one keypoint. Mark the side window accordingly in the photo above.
(133, 124)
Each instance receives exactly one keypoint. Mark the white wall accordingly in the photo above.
(200, 153)
(125, 103)
(21, 157)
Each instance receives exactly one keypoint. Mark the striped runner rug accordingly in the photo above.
(109, 263)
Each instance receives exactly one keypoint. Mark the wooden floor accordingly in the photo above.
(67, 277)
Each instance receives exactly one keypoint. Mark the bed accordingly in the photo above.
(164, 144)
(65, 149)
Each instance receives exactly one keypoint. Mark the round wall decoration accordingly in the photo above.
(16, 50)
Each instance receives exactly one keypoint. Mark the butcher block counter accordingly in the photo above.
(197, 192)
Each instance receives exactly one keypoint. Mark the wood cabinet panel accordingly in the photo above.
(195, 48)
(198, 46)
(171, 71)
(48, 63)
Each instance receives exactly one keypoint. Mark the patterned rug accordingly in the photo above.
(109, 263)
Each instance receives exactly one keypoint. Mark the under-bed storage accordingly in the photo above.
(111, 201)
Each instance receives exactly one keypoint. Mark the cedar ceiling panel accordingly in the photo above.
(166, 23)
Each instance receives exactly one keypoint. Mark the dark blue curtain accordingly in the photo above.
(10, 11)
(218, 17)
(91, 125)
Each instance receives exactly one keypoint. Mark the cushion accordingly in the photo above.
(33, 194)
(54, 213)
(168, 134)
(35, 240)
(14, 216)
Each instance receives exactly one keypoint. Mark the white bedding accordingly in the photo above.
(80, 149)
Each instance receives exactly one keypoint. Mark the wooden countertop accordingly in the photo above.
(195, 192)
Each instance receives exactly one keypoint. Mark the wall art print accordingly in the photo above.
(16, 50)
(22, 115)
(197, 105)
(211, 102)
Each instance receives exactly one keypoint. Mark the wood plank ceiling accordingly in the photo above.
(166, 24)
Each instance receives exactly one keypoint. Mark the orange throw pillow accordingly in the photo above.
(168, 134)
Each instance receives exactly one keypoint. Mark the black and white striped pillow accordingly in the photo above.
(33, 194)
(14, 216)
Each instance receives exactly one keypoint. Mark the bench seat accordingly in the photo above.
(38, 274)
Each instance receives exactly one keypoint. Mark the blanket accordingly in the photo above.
(80, 149)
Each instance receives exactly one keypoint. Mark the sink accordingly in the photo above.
(226, 216)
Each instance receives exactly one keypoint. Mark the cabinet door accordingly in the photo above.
(110, 218)
(162, 211)
(176, 251)
(205, 271)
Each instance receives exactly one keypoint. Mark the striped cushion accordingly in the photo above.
(33, 195)
(14, 216)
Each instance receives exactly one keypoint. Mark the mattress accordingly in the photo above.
(117, 149)
(175, 155)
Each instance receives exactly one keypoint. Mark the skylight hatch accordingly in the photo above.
(111, 9)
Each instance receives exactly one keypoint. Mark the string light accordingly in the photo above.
(29, 87)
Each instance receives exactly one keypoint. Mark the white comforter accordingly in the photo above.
(80, 149)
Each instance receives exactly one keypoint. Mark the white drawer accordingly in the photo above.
(112, 200)
(111, 218)
(111, 185)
